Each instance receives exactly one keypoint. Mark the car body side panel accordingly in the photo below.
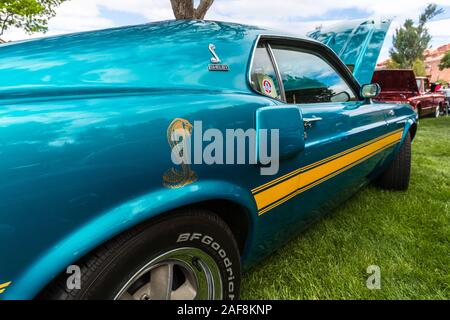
(82, 161)
(71, 166)
(73, 197)
(341, 129)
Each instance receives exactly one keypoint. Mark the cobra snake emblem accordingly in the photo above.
(174, 177)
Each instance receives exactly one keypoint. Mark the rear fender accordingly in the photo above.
(108, 224)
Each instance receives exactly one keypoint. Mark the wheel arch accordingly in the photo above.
(215, 196)
(412, 130)
(240, 222)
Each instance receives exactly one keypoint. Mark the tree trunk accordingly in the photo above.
(184, 9)
(203, 7)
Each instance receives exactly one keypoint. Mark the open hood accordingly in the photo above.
(357, 42)
(396, 80)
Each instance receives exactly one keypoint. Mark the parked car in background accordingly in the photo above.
(402, 86)
(435, 99)
(446, 92)
(87, 178)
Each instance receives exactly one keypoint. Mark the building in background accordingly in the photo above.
(432, 59)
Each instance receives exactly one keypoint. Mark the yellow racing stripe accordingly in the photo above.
(3, 286)
(271, 183)
(275, 192)
(276, 204)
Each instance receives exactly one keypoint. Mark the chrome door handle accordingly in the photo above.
(391, 113)
(308, 122)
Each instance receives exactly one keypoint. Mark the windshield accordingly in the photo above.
(419, 84)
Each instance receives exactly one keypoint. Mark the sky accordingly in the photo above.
(294, 16)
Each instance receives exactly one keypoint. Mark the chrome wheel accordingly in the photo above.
(180, 274)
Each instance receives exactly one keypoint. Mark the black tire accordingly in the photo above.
(106, 270)
(397, 176)
(419, 110)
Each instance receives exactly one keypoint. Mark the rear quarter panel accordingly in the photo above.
(76, 172)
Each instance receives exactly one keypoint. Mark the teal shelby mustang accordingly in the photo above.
(92, 206)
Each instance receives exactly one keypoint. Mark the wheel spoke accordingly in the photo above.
(143, 293)
(185, 292)
(174, 276)
(161, 282)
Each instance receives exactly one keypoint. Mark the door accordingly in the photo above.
(426, 99)
(344, 136)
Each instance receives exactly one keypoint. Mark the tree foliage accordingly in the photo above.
(29, 15)
(445, 61)
(419, 68)
(184, 9)
(410, 41)
(392, 65)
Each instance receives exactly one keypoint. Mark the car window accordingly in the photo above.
(419, 84)
(426, 85)
(308, 78)
(263, 76)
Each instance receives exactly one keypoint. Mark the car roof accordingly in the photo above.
(242, 31)
(168, 54)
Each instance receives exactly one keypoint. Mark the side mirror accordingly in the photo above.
(370, 91)
(341, 97)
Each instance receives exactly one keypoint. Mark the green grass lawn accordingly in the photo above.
(407, 234)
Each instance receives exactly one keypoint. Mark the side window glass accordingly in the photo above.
(307, 78)
(263, 76)
(419, 85)
(427, 85)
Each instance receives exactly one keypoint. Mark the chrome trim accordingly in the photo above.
(215, 59)
(250, 68)
(203, 280)
(277, 72)
(308, 122)
(315, 119)
(355, 84)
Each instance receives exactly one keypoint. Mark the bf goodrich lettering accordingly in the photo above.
(209, 241)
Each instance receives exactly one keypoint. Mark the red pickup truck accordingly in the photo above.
(402, 86)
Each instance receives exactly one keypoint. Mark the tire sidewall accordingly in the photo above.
(184, 231)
